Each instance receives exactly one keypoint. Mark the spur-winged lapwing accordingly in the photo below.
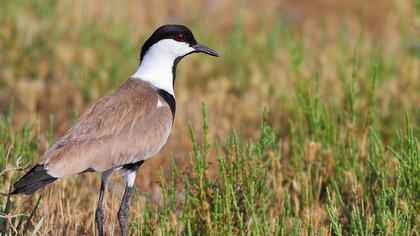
(123, 129)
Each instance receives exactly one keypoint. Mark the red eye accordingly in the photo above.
(179, 37)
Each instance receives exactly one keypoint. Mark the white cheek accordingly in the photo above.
(157, 63)
(176, 49)
(168, 49)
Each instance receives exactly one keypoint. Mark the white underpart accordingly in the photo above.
(156, 66)
(130, 177)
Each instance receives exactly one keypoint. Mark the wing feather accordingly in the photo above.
(124, 126)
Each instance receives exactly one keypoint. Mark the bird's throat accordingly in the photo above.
(159, 71)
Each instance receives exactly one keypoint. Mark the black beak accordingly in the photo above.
(202, 48)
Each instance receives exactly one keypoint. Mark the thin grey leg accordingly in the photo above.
(123, 211)
(99, 214)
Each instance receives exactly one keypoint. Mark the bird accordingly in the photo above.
(123, 129)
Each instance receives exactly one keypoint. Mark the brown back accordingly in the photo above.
(123, 127)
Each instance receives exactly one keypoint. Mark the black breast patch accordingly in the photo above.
(169, 98)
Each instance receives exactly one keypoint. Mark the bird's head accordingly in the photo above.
(173, 42)
(161, 53)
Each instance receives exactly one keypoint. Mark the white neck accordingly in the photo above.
(156, 65)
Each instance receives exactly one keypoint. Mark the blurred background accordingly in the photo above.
(58, 57)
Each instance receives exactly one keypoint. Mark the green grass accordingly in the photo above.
(365, 187)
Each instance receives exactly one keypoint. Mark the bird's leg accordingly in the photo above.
(99, 214)
(130, 176)
(123, 212)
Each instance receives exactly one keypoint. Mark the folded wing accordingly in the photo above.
(123, 127)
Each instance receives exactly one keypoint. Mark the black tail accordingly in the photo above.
(35, 179)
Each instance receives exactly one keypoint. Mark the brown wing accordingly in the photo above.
(123, 127)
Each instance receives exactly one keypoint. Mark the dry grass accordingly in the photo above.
(57, 57)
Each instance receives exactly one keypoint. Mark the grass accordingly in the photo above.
(332, 183)
(303, 132)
